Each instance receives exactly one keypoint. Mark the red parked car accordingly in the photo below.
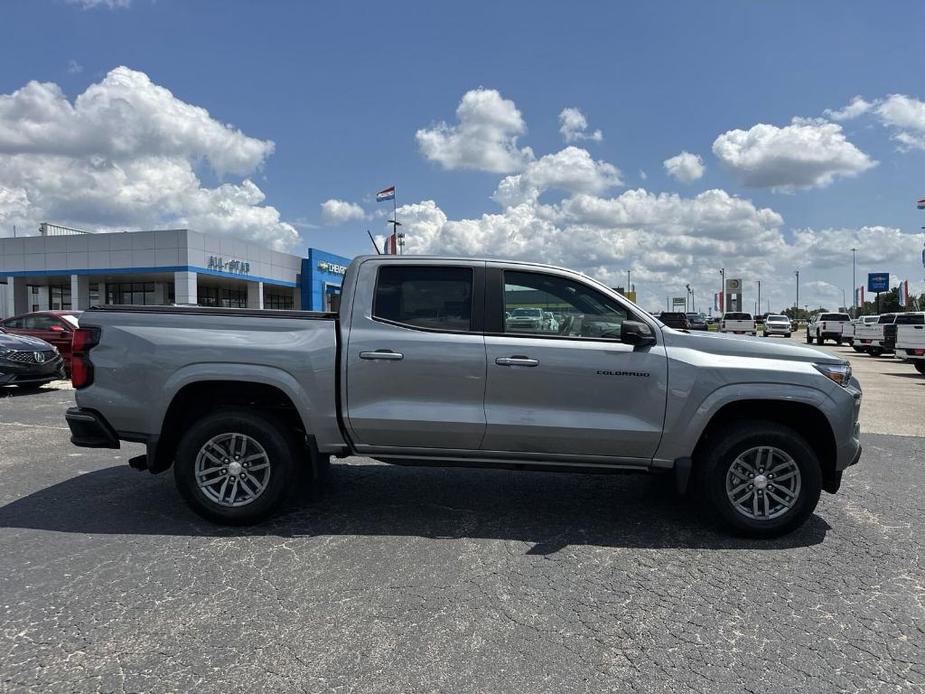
(55, 327)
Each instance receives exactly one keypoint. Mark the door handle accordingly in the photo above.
(384, 354)
(516, 360)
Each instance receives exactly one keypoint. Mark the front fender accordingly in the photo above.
(686, 422)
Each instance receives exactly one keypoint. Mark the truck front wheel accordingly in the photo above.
(762, 478)
(235, 466)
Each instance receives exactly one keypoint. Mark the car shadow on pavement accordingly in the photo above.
(549, 511)
(16, 392)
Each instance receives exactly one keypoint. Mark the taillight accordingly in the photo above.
(83, 341)
(85, 338)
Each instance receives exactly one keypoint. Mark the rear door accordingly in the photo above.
(416, 357)
(577, 390)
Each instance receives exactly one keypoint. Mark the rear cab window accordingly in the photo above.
(428, 298)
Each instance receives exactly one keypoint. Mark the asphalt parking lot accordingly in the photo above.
(404, 579)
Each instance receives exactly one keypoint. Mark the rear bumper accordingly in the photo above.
(89, 429)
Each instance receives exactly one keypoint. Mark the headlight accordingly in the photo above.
(840, 373)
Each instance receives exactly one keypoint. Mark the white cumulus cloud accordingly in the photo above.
(571, 169)
(907, 115)
(685, 167)
(574, 126)
(807, 153)
(105, 4)
(485, 137)
(339, 211)
(123, 155)
(858, 106)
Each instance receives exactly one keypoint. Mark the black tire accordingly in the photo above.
(787, 335)
(875, 351)
(809, 340)
(30, 387)
(838, 341)
(714, 464)
(820, 340)
(857, 349)
(919, 365)
(281, 449)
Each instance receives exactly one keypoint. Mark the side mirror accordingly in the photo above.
(636, 333)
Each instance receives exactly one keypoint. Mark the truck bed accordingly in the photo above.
(159, 350)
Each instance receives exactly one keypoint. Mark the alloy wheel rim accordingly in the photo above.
(232, 469)
(763, 483)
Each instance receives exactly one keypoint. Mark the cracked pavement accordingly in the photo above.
(426, 580)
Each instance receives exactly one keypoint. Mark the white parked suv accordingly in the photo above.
(777, 324)
(738, 323)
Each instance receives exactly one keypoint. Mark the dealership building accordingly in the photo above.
(64, 269)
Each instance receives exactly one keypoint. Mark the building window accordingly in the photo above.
(279, 302)
(222, 296)
(59, 297)
(130, 293)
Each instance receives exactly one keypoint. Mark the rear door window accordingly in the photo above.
(432, 298)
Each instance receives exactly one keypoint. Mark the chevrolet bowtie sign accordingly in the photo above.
(235, 267)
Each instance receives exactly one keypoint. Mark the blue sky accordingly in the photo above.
(342, 88)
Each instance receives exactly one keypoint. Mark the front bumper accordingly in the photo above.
(12, 373)
(89, 429)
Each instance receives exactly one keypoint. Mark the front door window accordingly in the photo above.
(550, 305)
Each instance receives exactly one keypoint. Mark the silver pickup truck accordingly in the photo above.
(419, 369)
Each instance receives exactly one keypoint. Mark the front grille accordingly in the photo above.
(40, 357)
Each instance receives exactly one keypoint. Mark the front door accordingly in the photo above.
(565, 384)
(416, 359)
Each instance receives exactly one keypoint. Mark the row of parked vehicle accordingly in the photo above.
(36, 348)
(735, 322)
(899, 334)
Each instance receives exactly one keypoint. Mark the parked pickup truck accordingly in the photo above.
(870, 337)
(418, 369)
(910, 339)
(738, 324)
(852, 331)
(827, 326)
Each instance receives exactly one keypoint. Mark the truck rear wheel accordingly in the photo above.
(919, 366)
(762, 478)
(235, 466)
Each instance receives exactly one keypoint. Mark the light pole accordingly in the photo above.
(693, 302)
(854, 281)
(722, 291)
(758, 304)
(629, 287)
(796, 306)
(687, 298)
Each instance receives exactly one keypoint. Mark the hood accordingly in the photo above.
(757, 347)
(23, 343)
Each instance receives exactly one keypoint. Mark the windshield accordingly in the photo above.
(778, 319)
(738, 316)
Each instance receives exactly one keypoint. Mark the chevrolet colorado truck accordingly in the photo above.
(420, 367)
(827, 326)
